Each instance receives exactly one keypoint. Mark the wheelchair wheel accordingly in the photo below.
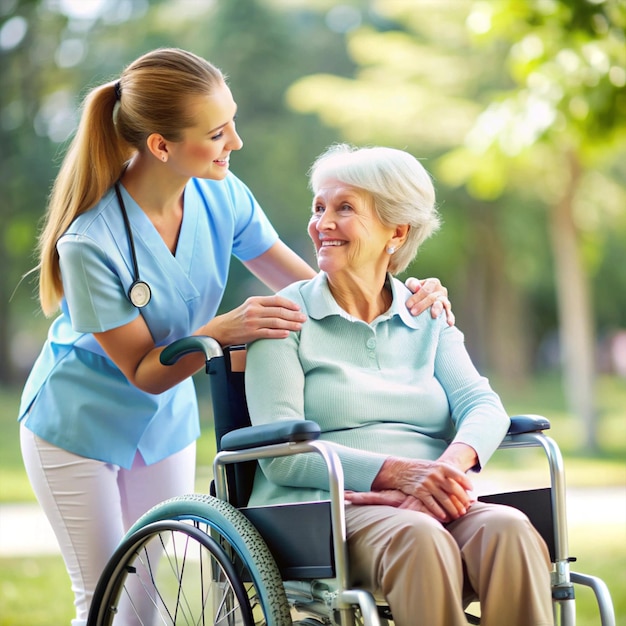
(191, 560)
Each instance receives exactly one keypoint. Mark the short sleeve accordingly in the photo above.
(254, 233)
(93, 290)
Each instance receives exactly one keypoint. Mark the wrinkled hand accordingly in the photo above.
(441, 489)
(390, 497)
(429, 293)
(259, 317)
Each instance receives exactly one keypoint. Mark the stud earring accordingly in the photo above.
(164, 158)
(391, 249)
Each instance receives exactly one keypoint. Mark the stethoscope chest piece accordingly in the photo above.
(139, 293)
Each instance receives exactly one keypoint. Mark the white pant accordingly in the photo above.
(91, 504)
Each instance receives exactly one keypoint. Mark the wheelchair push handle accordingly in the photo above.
(187, 345)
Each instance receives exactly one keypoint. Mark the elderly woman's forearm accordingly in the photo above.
(396, 473)
(461, 455)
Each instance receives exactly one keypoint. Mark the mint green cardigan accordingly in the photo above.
(399, 386)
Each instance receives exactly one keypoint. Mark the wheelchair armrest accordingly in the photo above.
(282, 431)
(528, 424)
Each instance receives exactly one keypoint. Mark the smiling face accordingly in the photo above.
(206, 146)
(349, 237)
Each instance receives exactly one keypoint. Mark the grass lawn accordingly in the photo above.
(35, 591)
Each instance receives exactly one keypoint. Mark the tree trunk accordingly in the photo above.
(576, 326)
(495, 314)
(508, 339)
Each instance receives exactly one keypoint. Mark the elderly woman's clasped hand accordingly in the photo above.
(439, 488)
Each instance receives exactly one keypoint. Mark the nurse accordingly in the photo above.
(142, 222)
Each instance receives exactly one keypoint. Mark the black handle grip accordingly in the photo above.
(187, 345)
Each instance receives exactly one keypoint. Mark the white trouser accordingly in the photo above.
(91, 504)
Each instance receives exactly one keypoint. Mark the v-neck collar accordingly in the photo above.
(144, 228)
(177, 265)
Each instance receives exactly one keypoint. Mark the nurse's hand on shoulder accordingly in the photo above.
(259, 317)
(429, 292)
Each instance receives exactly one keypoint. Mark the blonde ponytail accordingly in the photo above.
(94, 161)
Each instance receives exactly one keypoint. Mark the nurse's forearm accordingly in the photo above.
(279, 266)
(132, 349)
(153, 377)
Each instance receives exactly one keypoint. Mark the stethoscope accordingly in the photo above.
(139, 292)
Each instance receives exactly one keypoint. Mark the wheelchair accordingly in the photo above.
(210, 559)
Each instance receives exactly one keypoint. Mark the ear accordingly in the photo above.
(157, 145)
(400, 234)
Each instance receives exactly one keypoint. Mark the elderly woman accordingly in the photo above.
(402, 402)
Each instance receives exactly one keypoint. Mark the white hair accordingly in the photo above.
(400, 187)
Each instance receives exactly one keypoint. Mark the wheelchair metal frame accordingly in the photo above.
(346, 596)
(253, 443)
(563, 579)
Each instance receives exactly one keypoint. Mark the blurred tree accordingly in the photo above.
(25, 155)
(560, 123)
(502, 95)
(49, 55)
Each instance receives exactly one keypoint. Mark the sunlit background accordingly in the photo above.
(517, 108)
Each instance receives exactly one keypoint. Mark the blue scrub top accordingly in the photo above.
(75, 397)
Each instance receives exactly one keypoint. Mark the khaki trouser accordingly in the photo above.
(428, 572)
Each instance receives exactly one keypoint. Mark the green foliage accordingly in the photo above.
(411, 75)
(519, 109)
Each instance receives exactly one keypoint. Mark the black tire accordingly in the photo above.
(235, 568)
